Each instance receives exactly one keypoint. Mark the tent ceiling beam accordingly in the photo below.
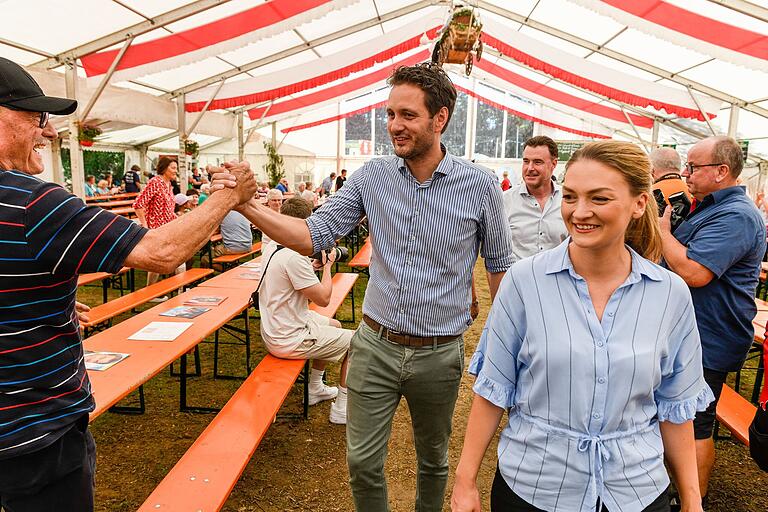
(24, 47)
(310, 45)
(205, 109)
(105, 80)
(750, 9)
(134, 30)
(622, 58)
(160, 139)
(149, 86)
(634, 129)
(706, 117)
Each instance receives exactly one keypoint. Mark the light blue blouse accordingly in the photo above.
(585, 396)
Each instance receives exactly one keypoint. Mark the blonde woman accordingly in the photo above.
(593, 350)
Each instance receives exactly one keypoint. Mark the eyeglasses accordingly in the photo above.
(691, 168)
(44, 116)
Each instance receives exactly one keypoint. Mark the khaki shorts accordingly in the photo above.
(324, 342)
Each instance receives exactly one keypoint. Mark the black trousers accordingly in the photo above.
(503, 499)
(54, 479)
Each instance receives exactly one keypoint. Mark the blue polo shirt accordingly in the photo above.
(726, 234)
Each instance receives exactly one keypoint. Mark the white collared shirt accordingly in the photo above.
(533, 229)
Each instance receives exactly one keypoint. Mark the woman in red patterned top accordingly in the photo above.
(154, 206)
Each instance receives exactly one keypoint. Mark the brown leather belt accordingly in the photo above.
(406, 339)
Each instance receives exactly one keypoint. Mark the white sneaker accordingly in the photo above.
(324, 393)
(159, 299)
(338, 414)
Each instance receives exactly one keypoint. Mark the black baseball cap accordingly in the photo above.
(19, 91)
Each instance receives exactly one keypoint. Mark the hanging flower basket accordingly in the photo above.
(460, 40)
(87, 134)
(191, 148)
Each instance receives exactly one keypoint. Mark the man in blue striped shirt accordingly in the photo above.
(429, 214)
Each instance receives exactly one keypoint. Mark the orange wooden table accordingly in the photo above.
(149, 357)
(114, 204)
(105, 278)
(125, 211)
(124, 195)
(231, 280)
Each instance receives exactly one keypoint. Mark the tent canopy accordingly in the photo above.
(595, 68)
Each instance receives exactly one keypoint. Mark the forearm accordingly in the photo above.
(141, 214)
(165, 248)
(676, 255)
(288, 231)
(680, 452)
(494, 279)
(484, 418)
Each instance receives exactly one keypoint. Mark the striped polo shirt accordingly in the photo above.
(47, 237)
(425, 237)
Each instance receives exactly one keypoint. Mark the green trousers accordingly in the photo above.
(380, 373)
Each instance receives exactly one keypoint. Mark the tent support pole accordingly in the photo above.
(655, 133)
(143, 158)
(240, 138)
(58, 171)
(105, 80)
(471, 122)
(339, 140)
(733, 121)
(75, 151)
(182, 126)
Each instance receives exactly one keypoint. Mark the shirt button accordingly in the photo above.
(601, 380)
(402, 310)
(413, 237)
(596, 416)
(610, 313)
(407, 262)
(599, 343)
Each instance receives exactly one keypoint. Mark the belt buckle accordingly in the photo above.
(392, 331)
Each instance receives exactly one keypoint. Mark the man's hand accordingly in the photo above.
(665, 221)
(465, 497)
(246, 183)
(474, 309)
(222, 179)
(82, 309)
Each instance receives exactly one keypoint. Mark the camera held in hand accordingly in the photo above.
(679, 203)
(342, 254)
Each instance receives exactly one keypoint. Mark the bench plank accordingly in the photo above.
(127, 302)
(232, 258)
(206, 474)
(735, 413)
(342, 284)
(363, 257)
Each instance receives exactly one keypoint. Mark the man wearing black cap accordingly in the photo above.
(47, 237)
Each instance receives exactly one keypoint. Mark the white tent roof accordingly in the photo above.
(607, 35)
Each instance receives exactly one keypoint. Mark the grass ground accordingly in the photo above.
(300, 465)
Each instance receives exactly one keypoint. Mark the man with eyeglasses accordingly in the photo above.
(717, 251)
(49, 236)
(533, 207)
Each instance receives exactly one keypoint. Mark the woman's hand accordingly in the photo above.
(465, 496)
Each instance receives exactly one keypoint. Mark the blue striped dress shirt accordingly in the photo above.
(425, 236)
(585, 396)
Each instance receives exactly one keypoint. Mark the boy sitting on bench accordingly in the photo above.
(290, 330)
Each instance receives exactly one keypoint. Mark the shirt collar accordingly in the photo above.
(558, 260)
(444, 167)
(720, 195)
(556, 189)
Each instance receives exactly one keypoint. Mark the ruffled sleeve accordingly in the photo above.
(680, 411)
(682, 390)
(495, 363)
